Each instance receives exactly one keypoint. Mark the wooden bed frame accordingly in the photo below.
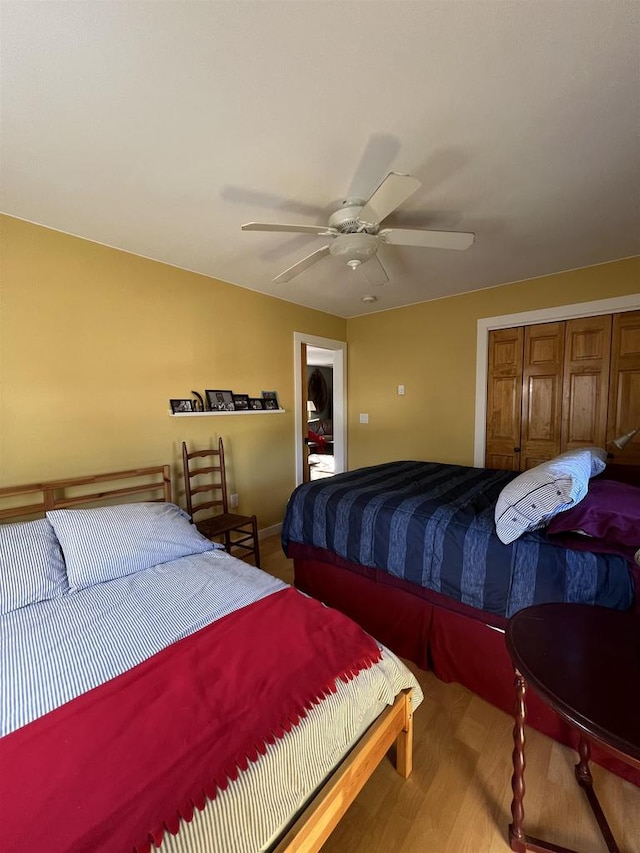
(310, 829)
(322, 814)
(153, 484)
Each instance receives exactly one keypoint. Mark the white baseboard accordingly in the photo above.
(274, 530)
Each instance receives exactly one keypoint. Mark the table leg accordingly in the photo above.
(517, 838)
(518, 841)
(585, 780)
(583, 773)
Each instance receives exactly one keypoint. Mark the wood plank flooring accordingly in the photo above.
(458, 797)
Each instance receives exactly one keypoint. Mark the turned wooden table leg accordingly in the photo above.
(585, 780)
(517, 839)
(583, 773)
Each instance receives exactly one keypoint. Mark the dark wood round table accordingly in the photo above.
(584, 662)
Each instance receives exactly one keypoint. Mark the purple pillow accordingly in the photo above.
(609, 515)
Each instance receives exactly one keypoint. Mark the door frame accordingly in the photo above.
(339, 349)
(614, 305)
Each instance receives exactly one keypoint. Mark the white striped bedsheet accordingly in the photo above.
(55, 650)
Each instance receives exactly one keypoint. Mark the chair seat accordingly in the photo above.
(223, 523)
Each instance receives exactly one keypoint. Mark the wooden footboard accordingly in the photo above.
(321, 815)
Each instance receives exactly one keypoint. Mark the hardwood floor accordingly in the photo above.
(458, 797)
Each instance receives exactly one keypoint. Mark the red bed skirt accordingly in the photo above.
(457, 642)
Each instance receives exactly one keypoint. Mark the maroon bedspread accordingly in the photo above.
(119, 765)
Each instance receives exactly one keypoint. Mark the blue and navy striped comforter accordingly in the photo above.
(433, 524)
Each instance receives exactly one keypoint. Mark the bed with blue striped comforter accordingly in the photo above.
(433, 524)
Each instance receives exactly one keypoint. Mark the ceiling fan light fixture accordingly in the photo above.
(355, 249)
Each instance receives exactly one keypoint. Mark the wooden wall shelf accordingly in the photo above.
(224, 414)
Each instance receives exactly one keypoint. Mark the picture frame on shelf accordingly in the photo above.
(199, 405)
(241, 402)
(256, 404)
(220, 401)
(179, 407)
(270, 400)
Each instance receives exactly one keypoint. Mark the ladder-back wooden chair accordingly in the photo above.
(205, 488)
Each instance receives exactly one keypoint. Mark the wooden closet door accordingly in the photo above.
(587, 351)
(542, 393)
(504, 399)
(624, 386)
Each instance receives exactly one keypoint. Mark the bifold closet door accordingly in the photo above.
(504, 399)
(559, 386)
(541, 393)
(624, 385)
(587, 357)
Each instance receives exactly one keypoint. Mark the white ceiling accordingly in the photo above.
(161, 127)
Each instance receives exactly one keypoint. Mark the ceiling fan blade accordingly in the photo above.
(390, 194)
(302, 265)
(303, 229)
(374, 272)
(426, 239)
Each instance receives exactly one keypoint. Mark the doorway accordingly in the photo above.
(319, 389)
(320, 407)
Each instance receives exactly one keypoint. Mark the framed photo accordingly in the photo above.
(256, 403)
(270, 399)
(220, 401)
(180, 406)
(241, 402)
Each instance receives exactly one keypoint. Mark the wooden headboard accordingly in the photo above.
(152, 484)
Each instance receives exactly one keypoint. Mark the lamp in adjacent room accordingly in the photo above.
(622, 440)
(311, 409)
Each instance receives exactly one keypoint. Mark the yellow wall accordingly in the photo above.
(431, 349)
(94, 342)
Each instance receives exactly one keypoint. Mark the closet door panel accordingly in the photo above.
(586, 382)
(542, 393)
(504, 399)
(624, 394)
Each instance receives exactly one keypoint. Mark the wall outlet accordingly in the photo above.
(233, 501)
(364, 418)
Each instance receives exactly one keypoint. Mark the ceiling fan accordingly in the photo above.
(355, 233)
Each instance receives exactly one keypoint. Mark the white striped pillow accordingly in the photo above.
(113, 541)
(31, 565)
(535, 496)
